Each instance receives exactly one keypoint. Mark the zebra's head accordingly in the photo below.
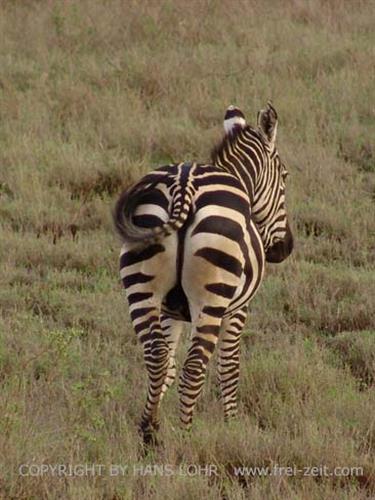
(267, 172)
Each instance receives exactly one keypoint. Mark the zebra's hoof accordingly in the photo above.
(150, 439)
(148, 435)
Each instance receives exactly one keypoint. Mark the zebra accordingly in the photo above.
(195, 241)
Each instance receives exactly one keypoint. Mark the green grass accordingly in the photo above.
(93, 95)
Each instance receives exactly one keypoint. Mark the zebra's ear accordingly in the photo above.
(267, 122)
(234, 120)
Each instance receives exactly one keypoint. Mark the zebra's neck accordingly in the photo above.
(242, 155)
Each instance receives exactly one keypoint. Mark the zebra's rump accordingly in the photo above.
(216, 228)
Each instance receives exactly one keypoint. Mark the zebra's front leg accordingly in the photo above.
(228, 368)
(204, 339)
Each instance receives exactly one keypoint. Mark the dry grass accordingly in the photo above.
(94, 94)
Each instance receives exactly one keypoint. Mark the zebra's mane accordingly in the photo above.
(229, 139)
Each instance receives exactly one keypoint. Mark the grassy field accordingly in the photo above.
(92, 95)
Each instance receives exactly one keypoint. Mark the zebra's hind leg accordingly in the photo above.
(204, 339)
(228, 368)
(156, 356)
(172, 331)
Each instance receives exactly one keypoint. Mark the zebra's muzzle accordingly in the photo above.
(282, 249)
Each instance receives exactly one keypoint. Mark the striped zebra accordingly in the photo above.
(196, 238)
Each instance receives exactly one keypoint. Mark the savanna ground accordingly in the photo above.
(92, 95)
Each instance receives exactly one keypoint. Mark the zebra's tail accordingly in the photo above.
(130, 198)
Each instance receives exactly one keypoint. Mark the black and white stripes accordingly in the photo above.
(196, 237)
